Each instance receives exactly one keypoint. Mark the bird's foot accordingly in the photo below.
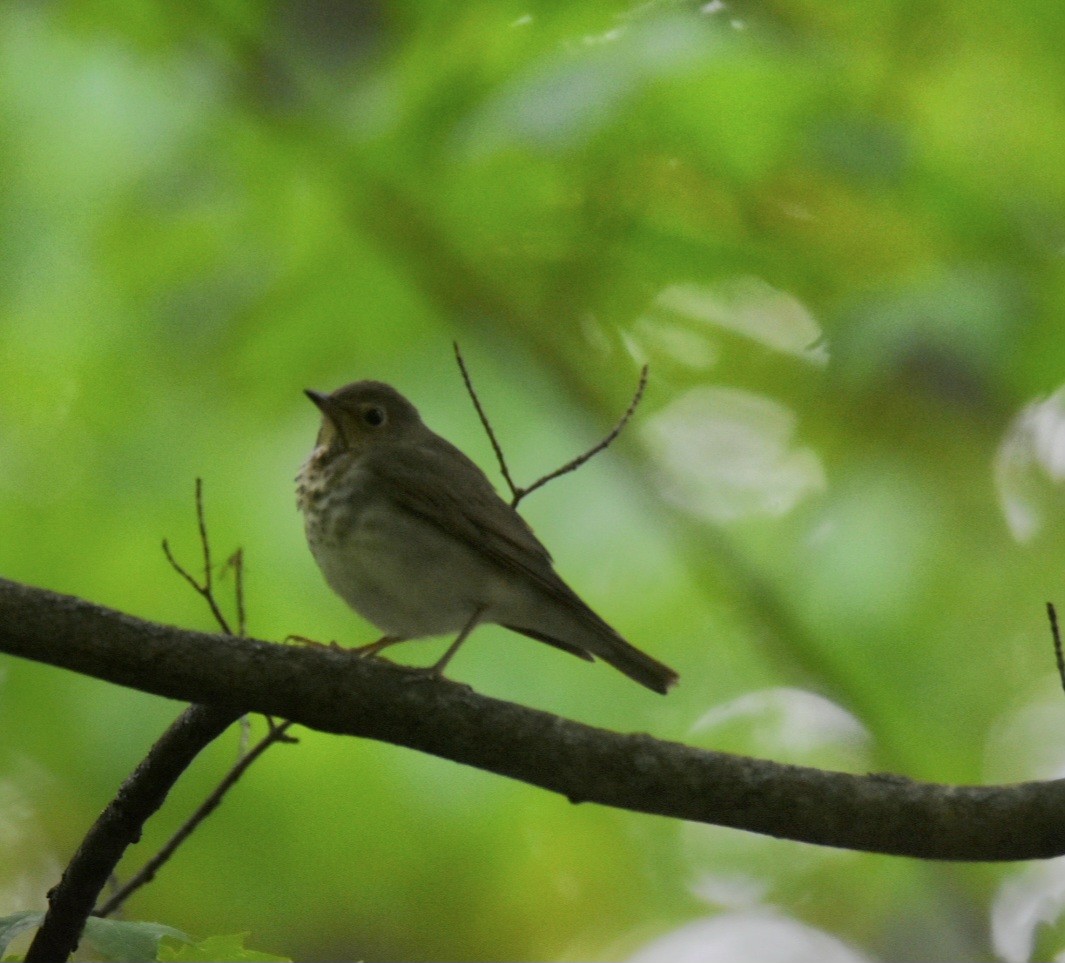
(314, 643)
(370, 651)
(432, 673)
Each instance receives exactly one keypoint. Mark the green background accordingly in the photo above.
(836, 233)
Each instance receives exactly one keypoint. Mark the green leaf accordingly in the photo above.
(216, 948)
(128, 942)
(12, 926)
(118, 940)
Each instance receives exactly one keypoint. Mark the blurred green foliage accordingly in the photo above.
(835, 231)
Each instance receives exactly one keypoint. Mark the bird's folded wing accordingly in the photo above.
(468, 508)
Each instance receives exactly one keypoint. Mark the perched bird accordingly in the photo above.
(412, 535)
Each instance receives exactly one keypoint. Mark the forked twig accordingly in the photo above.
(277, 732)
(516, 491)
(205, 589)
(236, 563)
(1056, 633)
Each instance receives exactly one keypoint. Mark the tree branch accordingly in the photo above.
(141, 795)
(206, 734)
(333, 692)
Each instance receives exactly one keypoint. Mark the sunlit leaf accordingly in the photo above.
(16, 924)
(727, 454)
(215, 948)
(763, 935)
(127, 941)
(1026, 900)
(1030, 465)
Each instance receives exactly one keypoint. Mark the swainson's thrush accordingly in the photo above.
(412, 535)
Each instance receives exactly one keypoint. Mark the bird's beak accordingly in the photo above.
(326, 406)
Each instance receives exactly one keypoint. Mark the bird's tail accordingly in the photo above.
(638, 665)
(613, 649)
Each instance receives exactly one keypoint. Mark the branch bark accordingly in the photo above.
(333, 692)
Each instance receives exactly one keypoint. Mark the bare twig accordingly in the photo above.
(276, 733)
(204, 540)
(205, 589)
(595, 449)
(1056, 633)
(143, 792)
(236, 563)
(516, 491)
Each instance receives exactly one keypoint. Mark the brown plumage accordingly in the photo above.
(412, 535)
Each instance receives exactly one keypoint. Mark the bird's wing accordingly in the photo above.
(468, 508)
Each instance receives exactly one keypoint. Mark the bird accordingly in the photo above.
(412, 535)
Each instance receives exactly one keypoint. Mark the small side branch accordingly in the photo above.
(1056, 634)
(120, 824)
(595, 449)
(516, 491)
(277, 733)
(236, 563)
(204, 589)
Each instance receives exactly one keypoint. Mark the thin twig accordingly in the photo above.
(276, 733)
(205, 589)
(204, 540)
(516, 491)
(177, 567)
(1056, 633)
(595, 449)
(242, 624)
(236, 563)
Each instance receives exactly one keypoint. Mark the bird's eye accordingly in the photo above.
(373, 416)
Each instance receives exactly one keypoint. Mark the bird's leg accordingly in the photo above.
(369, 651)
(438, 668)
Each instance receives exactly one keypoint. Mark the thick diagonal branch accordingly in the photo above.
(333, 692)
(140, 796)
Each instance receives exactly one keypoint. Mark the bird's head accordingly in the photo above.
(365, 414)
